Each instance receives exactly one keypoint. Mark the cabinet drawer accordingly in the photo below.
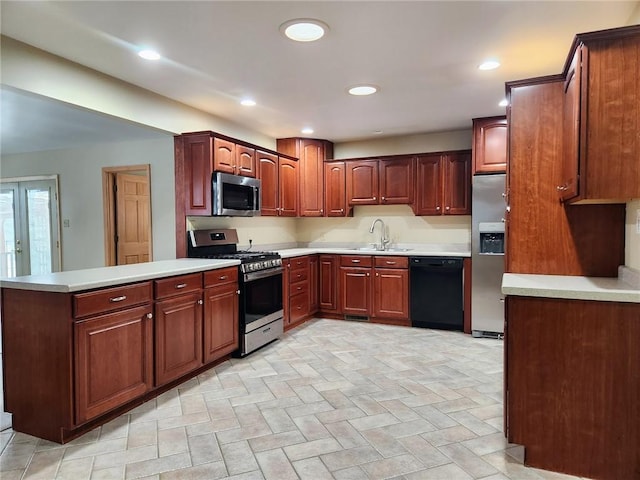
(110, 299)
(299, 263)
(168, 287)
(213, 278)
(298, 288)
(391, 262)
(299, 306)
(298, 276)
(355, 261)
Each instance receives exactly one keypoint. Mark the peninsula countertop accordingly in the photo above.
(78, 280)
(602, 289)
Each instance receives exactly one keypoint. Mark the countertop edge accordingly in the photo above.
(296, 252)
(60, 286)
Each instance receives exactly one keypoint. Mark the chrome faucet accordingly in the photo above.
(383, 238)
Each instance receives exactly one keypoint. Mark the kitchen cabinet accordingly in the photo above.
(355, 284)
(489, 154)
(228, 157)
(380, 181)
(178, 326)
(221, 329)
(311, 154)
(571, 385)
(328, 277)
(335, 189)
(298, 289)
(391, 287)
(314, 291)
(129, 373)
(600, 118)
(443, 184)
(279, 184)
(90, 354)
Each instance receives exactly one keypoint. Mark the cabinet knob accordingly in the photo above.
(200, 302)
(447, 208)
(375, 198)
(377, 274)
(368, 275)
(342, 210)
(383, 199)
(149, 316)
(322, 210)
(238, 292)
(438, 209)
(562, 188)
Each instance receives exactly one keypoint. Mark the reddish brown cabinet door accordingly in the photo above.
(197, 169)
(489, 145)
(355, 288)
(224, 155)
(328, 278)
(220, 321)
(288, 187)
(391, 293)
(268, 168)
(457, 184)
(568, 186)
(245, 161)
(428, 186)
(311, 166)
(314, 291)
(362, 182)
(107, 377)
(178, 336)
(396, 181)
(335, 189)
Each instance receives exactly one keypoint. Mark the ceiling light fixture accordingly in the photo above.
(504, 102)
(304, 29)
(307, 130)
(489, 65)
(360, 90)
(149, 54)
(248, 102)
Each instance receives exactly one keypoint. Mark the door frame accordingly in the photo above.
(109, 211)
(56, 257)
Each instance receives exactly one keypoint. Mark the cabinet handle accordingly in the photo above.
(149, 316)
(447, 208)
(238, 292)
(355, 261)
(200, 302)
(377, 274)
(223, 277)
(299, 275)
(181, 285)
(375, 198)
(322, 210)
(438, 209)
(342, 210)
(299, 288)
(390, 263)
(368, 275)
(562, 188)
(383, 199)
(118, 299)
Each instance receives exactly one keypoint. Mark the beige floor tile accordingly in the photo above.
(275, 465)
(312, 469)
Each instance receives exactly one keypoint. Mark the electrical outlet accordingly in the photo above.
(66, 223)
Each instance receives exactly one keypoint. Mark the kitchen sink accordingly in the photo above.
(391, 249)
(394, 249)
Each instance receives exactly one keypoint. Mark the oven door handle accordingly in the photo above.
(248, 277)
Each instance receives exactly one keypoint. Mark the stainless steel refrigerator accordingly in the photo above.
(487, 255)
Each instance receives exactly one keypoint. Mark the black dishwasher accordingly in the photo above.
(436, 292)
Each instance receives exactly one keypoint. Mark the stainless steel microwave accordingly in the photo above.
(235, 196)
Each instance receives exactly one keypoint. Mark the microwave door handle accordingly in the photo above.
(256, 198)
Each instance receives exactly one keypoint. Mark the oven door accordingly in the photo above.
(261, 299)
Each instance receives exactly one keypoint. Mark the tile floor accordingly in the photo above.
(330, 400)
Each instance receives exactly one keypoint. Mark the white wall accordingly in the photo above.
(635, 16)
(80, 180)
(632, 237)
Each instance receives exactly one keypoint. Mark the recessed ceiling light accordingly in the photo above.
(148, 54)
(248, 102)
(307, 130)
(504, 102)
(377, 132)
(489, 65)
(360, 90)
(304, 29)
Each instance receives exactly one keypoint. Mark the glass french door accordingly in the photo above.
(29, 241)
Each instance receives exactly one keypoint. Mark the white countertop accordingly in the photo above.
(77, 280)
(412, 252)
(570, 287)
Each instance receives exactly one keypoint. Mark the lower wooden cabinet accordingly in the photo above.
(105, 376)
(178, 336)
(391, 288)
(297, 290)
(314, 291)
(328, 266)
(221, 330)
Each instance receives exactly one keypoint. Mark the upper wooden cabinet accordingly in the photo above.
(601, 119)
(231, 158)
(279, 185)
(443, 184)
(311, 154)
(380, 181)
(489, 145)
(335, 190)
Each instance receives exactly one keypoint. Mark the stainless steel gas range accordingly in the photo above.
(261, 314)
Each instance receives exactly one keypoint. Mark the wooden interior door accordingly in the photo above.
(133, 226)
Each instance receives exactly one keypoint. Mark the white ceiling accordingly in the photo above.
(422, 54)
